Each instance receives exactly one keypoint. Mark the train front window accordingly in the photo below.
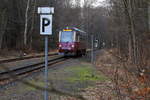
(66, 36)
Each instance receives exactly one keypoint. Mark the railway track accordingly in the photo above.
(15, 74)
(24, 58)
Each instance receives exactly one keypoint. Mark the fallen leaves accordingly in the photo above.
(142, 92)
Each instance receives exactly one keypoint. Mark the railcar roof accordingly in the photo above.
(81, 32)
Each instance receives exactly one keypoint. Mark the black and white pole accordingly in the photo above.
(46, 30)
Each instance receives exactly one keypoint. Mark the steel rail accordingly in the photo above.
(13, 74)
(24, 58)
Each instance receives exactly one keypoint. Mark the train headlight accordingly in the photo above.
(60, 46)
(72, 45)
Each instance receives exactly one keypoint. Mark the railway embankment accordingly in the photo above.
(21, 63)
(74, 79)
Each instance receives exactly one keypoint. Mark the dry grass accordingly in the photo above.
(128, 84)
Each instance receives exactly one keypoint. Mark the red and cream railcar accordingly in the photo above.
(72, 42)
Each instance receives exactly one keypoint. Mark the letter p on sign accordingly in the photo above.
(46, 25)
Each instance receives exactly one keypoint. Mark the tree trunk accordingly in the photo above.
(3, 24)
(149, 14)
(26, 23)
(32, 25)
(132, 38)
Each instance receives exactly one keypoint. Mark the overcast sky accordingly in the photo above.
(99, 3)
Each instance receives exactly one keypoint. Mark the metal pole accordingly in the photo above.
(46, 68)
(92, 47)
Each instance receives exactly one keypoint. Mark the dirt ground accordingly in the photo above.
(75, 79)
(128, 83)
(78, 79)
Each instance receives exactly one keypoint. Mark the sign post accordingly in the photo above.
(46, 30)
(46, 68)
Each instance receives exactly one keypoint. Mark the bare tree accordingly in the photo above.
(26, 22)
(3, 24)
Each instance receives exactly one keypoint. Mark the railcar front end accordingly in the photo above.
(71, 42)
(67, 44)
